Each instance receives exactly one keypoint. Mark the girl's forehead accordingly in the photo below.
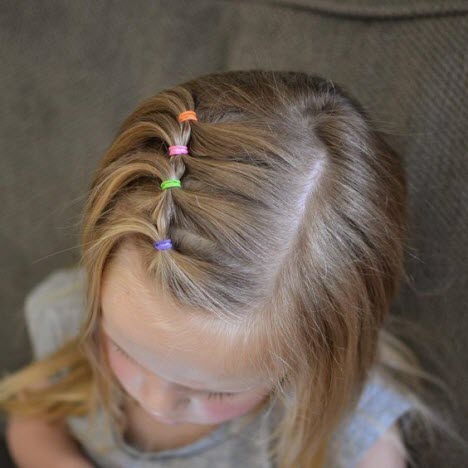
(196, 362)
(165, 339)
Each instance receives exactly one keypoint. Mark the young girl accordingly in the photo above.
(242, 243)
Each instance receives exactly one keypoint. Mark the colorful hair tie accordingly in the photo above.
(178, 149)
(163, 244)
(187, 115)
(173, 150)
(170, 183)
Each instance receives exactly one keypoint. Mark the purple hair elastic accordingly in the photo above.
(163, 244)
(178, 149)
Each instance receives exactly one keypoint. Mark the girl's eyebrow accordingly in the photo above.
(190, 388)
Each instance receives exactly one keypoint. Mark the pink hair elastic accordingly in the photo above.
(178, 149)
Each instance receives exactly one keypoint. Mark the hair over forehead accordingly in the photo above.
(240, 341)
(249, 347)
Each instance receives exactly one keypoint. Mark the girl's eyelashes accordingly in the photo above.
(220, 395)
(210, 395)
(120, 350)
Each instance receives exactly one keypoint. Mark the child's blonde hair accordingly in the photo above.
(288, 235)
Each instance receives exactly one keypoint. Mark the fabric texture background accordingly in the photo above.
(72, 71)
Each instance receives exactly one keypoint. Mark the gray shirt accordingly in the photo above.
(54, 309)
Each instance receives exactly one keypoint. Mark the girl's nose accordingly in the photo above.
(159, 397)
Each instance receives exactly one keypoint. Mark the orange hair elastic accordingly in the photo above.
(187, 115)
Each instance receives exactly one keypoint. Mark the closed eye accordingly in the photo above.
(121, 351)
(220, 395)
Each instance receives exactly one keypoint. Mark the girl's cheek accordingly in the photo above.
(126, 372)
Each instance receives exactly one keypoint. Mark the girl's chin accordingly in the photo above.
(172, 422)
(161, 418)
(179, 423)
(166, 421)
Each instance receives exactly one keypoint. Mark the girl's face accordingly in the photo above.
(167, 363)
(171, 403)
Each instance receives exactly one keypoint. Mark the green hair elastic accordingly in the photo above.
(170, 183)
